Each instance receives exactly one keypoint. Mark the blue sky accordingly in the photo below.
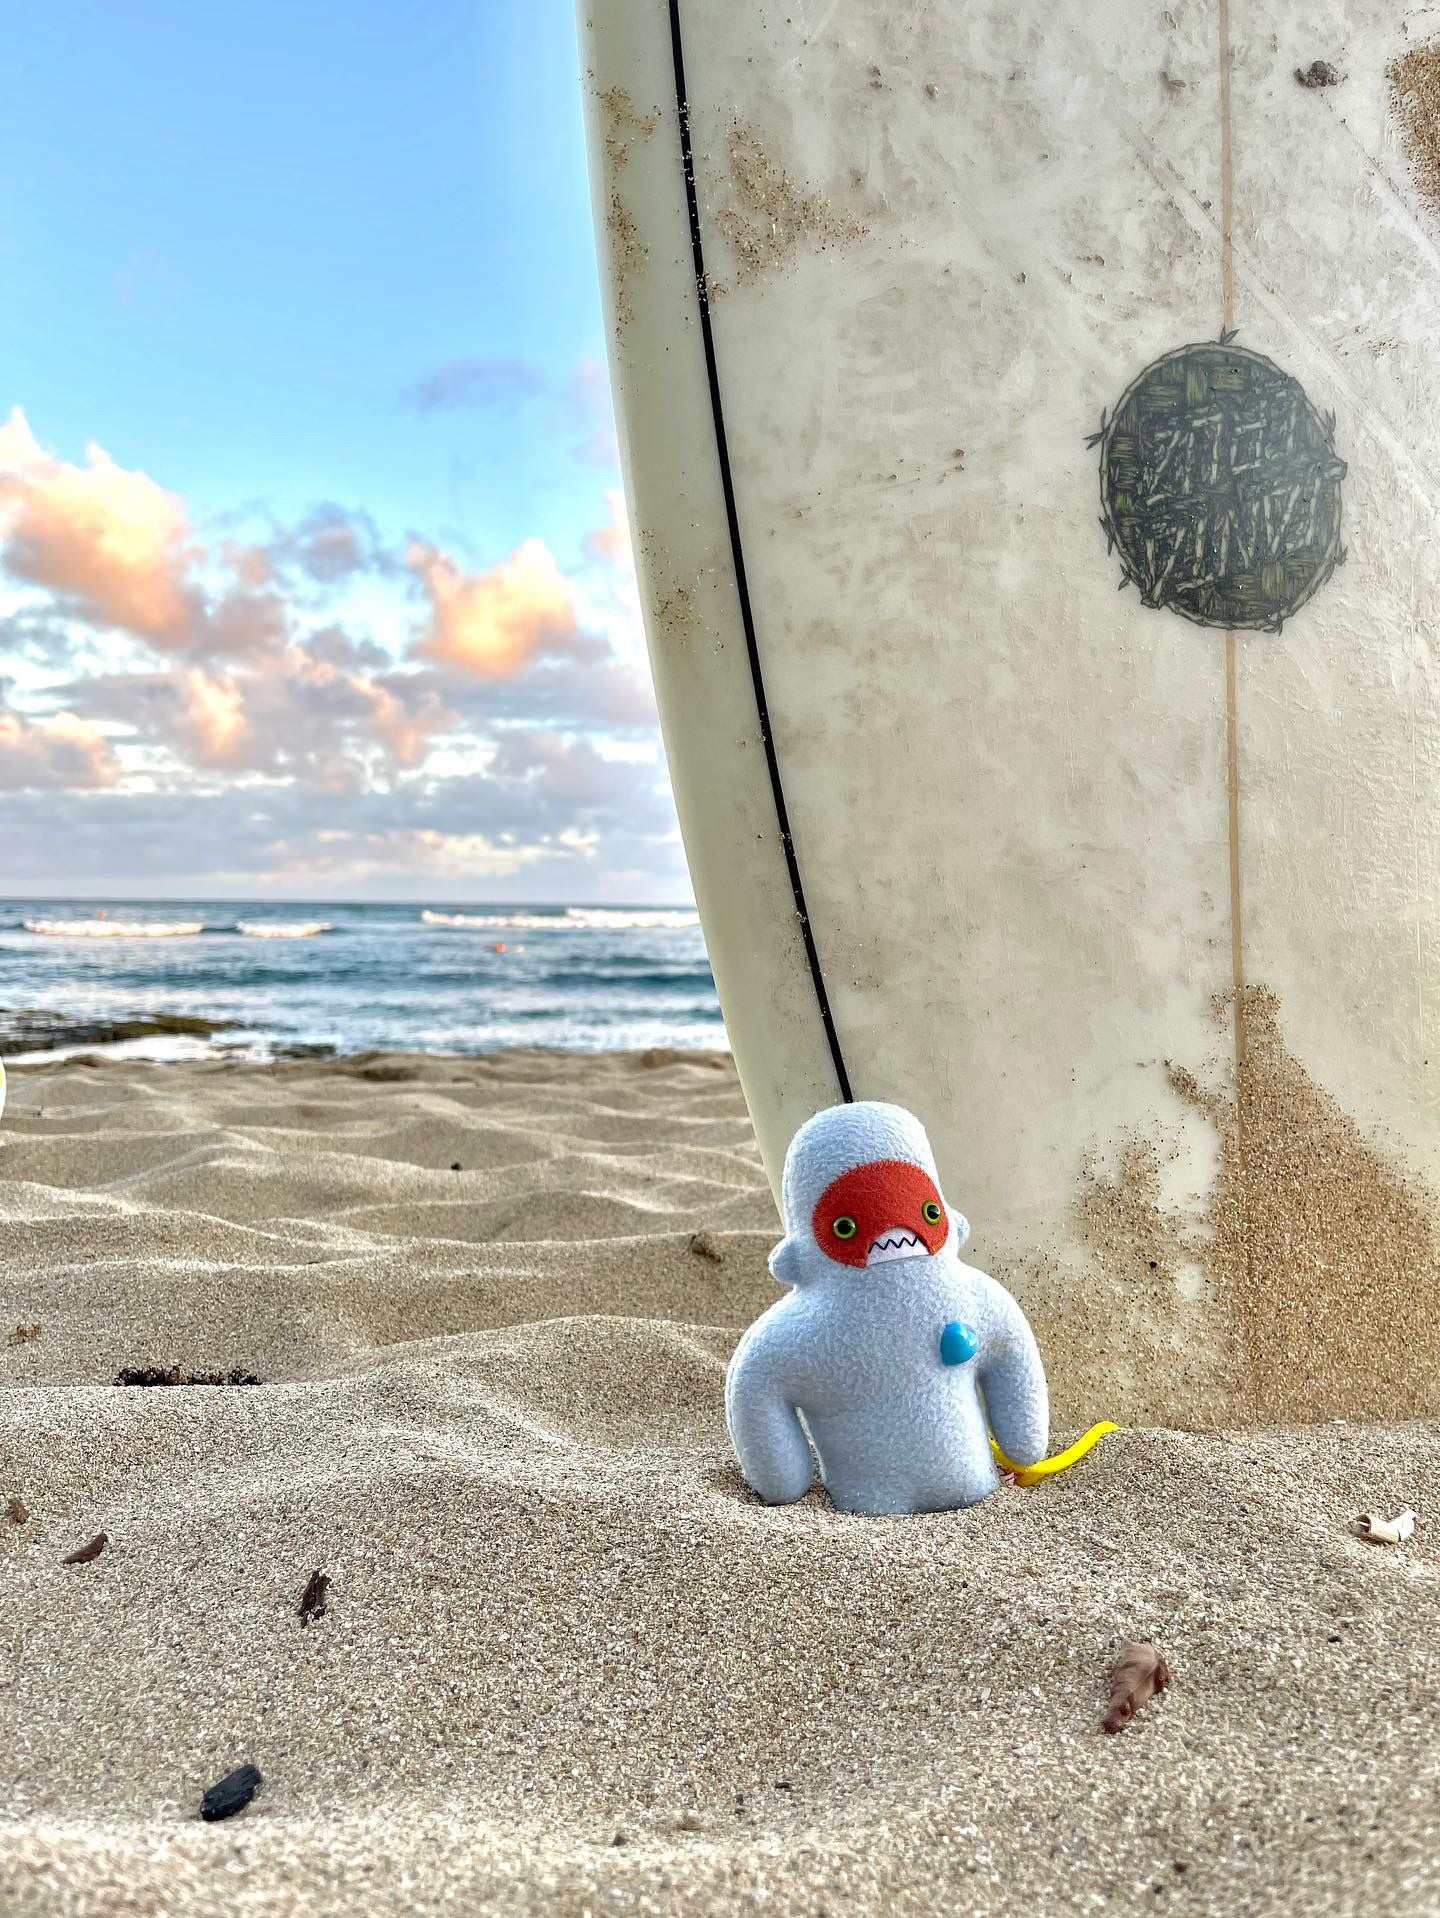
(302, 324)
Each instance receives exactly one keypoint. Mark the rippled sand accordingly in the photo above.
(568, 1665)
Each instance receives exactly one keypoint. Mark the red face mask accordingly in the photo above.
(885, 1210)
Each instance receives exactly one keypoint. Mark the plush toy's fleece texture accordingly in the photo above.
(890, 1368)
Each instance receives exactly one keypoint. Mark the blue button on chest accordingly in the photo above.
(957, 1344)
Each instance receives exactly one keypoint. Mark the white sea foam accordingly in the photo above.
(281, 929)
(161, 1048)
(114, 928)
(573, 919)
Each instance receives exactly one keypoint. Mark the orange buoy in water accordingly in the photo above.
(499, 946)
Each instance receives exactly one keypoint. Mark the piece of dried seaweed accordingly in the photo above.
(161, 1375)
(313, 1600)
(84, 1554)
(1139, 1675)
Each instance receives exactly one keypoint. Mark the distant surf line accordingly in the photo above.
(99, 928)
(572, 919)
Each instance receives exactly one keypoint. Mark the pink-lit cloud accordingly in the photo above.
(105, 536)
(495, 623)
(219, 699)
(610, 543)
(58, 751)
(317, 715)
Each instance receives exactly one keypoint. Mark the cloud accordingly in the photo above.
(119, 552)
(494, 624)
(544, 800)
(329, 546)
(593, 691)
(346, 857)
(56, 752)
(591, 414)
(610, 543)
(240, 625)
(111, 540)
(210, 715)
(579, 783)
(475, 382)
(320, 714)
(580, 404)
(209, 709)
(250, 564)
(477, 836)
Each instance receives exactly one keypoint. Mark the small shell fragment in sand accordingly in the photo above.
(1139, 1674)
(16, 1510)
(84, 1554)
(232, 1794)
(1386, 1531)
(312, 1599)
(23, 1334)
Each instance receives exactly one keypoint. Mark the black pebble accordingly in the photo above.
(232, 1794)
(456, 1166)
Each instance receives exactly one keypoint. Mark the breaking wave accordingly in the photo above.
(573, 919)
(114, 928)
(282, 929)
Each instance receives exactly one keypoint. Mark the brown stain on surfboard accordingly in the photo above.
(770, 218)
(672, 614)
(1136, 1330)
(1415, 102)
(1323, 1248)
(628, 253)
(624, 125)
(675, 616)
(1303, 1285)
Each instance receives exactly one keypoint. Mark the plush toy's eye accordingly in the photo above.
(844, 1227)
(930, 1212)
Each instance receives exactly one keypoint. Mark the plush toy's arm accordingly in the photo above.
(768, 1437)
(1012, 1379)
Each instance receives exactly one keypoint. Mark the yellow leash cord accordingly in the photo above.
(1061, 1462)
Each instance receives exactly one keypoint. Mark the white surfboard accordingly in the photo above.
(1031, 422)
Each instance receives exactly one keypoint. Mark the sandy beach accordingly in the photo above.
(567, 1664)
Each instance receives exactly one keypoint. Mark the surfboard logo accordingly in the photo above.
(1220, 488)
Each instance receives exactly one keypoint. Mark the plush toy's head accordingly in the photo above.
(860, 1190)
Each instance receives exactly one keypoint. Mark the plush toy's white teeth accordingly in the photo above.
(893, 1245)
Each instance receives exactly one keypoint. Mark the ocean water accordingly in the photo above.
(173, 979)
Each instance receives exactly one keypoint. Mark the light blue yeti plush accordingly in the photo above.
(889, 1352)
